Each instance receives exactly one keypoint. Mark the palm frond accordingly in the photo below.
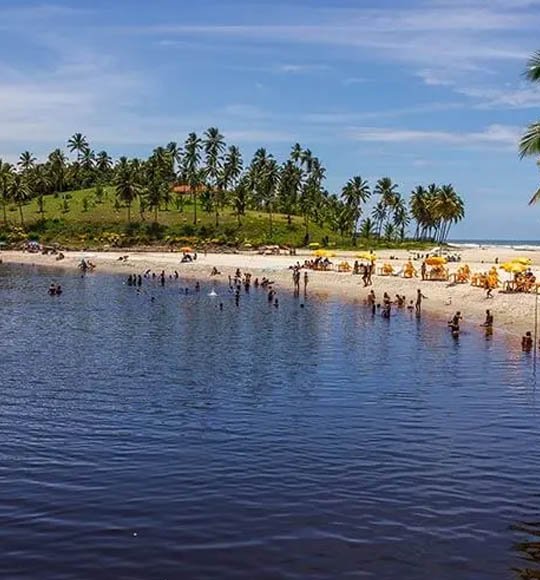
(535, 198)
(530, 142)
(532, 71)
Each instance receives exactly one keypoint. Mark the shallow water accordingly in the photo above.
(166, 439)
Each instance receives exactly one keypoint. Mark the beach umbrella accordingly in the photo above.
(524, 261)
(314, 245)
(513, 267)
(436, 261)
(370, 256)
(324, 254)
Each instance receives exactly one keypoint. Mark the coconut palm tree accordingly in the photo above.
(418, 208)
(289, 188)
(41, 184)
(57, 169)
(214, 145)
(78, 143)
(367, 228)
(400, 217)
(240, 196)
(26, 161)
(355, 193)
(104, 165)
(231, 171)
(6, 177)
(191, 170)
(530, 142)
(19, 192)
(126, 185)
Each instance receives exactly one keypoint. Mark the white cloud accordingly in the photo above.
(494, 135)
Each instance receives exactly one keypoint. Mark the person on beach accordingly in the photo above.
(453, 324)
(296, 281)
(52, 289)
(423, 270)
(387, 306)
(527, 342)
(488, 324)
(410, 307)
(306, 280)
(489, 320)
(419, 298)
(371, 300)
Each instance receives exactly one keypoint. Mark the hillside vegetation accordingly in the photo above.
(202, 192)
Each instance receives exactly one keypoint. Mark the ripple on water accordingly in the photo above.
(160, 440)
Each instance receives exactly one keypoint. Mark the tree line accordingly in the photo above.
(213, 176)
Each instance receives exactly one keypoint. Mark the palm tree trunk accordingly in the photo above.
(155, 214)
(21, 214)
(194, 209)
(129, 212)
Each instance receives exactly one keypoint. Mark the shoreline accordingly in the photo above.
(514, 313)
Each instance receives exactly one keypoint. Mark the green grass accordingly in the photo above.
(105, 224)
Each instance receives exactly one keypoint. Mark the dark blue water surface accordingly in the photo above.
(167, 439)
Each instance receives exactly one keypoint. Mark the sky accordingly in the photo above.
(421, 91)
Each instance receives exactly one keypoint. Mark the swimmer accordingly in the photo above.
(527, 342)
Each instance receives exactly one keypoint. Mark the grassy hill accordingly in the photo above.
(78, 219)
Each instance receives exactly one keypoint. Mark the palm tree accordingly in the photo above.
(418, 208)
(78, 143)
(41, 184)
(26, 161)
(126, 186)
(191, 170)
(57, 169)
(214, 145)
(19, 192)
(530, 142)
(6, 177)
(289, 188)
(387, 192)
(367, 228)
(355, 193)
(231, 171)
(400, 218)
(240, 196)
(103, 165)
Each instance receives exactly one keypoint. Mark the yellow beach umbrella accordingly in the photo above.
(314, 245)
(524, 261)
(436, 261)
(371, 257)
(513, 267)
(323, 254)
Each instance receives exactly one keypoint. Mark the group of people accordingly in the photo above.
(296, 281)
(55, 289)
(400, 301)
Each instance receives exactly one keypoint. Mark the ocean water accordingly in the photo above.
(167, 439)
(523, 245)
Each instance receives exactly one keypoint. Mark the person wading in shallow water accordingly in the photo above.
(488, 324)
(454, 323)
(306, 280)
(419, 298)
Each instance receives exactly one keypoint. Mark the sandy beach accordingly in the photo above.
(514, 313)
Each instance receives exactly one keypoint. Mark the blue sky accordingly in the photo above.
(421, 91)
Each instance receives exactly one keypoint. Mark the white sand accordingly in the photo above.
(514, 313)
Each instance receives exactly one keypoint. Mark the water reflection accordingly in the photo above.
(255, 442)
(528, 550)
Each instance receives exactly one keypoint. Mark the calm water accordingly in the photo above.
(164, 440)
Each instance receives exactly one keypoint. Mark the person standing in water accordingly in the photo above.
(419, 298)
(527, 342)
(488, 324)
(454, 323)
(306, 280)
